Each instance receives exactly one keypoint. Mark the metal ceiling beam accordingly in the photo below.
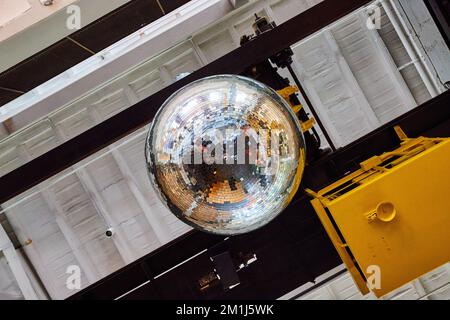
(135, 117)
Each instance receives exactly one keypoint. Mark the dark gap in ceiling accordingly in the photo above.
(170, 5)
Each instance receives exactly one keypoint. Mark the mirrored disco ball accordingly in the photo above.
(225, 154)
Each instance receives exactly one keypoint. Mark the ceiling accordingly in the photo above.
(82, 44)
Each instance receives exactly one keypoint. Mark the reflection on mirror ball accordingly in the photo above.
(225, 154)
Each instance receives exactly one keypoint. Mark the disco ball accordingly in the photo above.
(225, 154)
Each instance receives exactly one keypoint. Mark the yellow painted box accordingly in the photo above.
(390, 220)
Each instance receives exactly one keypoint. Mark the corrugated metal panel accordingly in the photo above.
(334, 91)
(401, 59)
(372, 68)
(49, 251)
(9, 289)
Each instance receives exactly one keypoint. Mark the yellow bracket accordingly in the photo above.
(311, 193)
(307, 125)
(287, 92)
(371, 163)
(297, 108)
(400, 133)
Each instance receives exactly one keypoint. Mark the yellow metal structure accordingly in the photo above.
(307, 125)
(286, 93)
(391, 218)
